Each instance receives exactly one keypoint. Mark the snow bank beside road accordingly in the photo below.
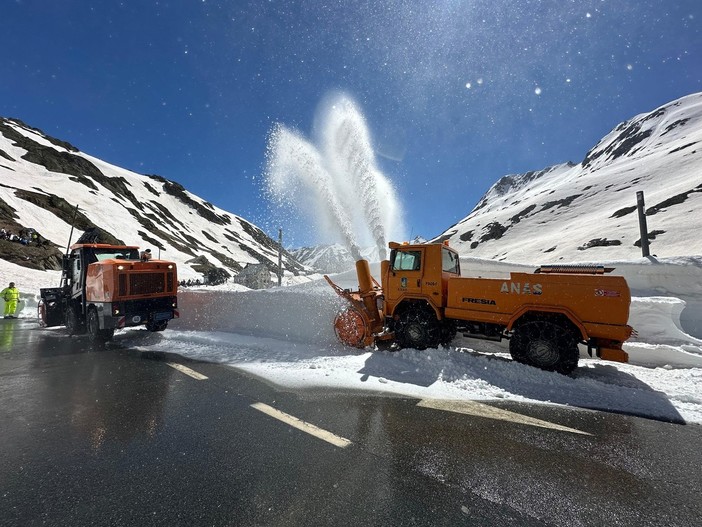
(659, 339)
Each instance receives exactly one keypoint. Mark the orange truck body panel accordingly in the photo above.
(596, 302)
(151, 279)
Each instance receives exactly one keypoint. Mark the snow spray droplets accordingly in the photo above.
(294, 157)
(341, 177)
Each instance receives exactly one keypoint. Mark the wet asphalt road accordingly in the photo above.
(118, 437)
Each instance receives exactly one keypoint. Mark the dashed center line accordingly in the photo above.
(461, 407)
(309, 428)
(187, 371)
(491, 412)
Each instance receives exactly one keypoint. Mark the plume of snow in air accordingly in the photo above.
(340, 176)
(293, 162)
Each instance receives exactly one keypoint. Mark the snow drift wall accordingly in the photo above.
(290, 314)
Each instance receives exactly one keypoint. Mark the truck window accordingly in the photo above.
(119, 254)
(407, 261)
(449, 262)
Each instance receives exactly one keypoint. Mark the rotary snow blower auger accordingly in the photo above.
(361, 323)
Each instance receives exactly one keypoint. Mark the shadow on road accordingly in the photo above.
(597, 387)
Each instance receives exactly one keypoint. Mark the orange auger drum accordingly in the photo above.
(424, 301)
(358, 324)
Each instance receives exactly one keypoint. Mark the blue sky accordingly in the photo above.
(456, 93)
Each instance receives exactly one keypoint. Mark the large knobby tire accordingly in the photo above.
(545, 344)
(418, 328)
(41, 314)
(95, 334)
(157, 326)
(74, 324)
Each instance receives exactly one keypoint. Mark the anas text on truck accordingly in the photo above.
(423, 301)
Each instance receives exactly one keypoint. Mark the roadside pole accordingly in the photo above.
(280, 257)
(643, 228)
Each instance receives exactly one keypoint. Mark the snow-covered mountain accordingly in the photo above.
(588, 211)
(325, 258)
(43, 179)
(566, 212)
(335, 258)
(331, 258)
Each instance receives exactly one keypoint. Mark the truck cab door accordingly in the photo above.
(405, 273)
(76, 282)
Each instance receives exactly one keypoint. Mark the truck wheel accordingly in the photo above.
(41, 313)
(95, 334)
(418, 328)
(546, 345)
(74, 324)
(157, 326)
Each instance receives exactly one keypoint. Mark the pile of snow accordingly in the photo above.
(285, 336)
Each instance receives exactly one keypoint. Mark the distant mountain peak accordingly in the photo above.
(646, 132)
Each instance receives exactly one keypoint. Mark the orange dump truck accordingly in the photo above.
(107, 287)
(423, 301)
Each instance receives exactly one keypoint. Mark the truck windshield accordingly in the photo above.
(117, 254)
(449, 262)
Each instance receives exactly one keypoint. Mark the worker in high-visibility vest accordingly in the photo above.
(11, 296)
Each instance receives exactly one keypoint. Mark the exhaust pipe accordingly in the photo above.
(365, 288)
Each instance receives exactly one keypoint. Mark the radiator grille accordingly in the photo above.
(147, 283)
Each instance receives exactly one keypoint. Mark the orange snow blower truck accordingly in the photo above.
(424, 301)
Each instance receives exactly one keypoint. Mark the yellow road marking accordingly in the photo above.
(309, 428)
(187, 371)
(490, 412)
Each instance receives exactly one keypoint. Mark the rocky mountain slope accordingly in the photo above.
(43, 179)
(588, 211)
